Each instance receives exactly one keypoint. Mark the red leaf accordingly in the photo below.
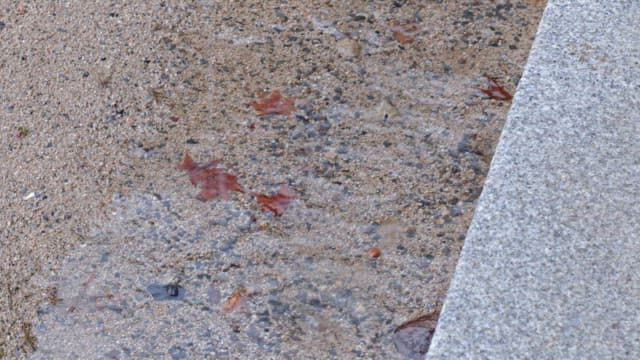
(404, 33)
(495, 90)
(235, 300)
(275, 203)
(187, 163)
(214, 182)
(218, 184)
(274, 104)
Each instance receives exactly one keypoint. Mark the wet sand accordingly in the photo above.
(388, 147)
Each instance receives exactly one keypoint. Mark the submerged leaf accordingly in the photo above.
(235, 300)
(219, 184)
(214, 182)
(274, 104)
(413, 338)
(495, 90)
(275, 203)
(404, 33)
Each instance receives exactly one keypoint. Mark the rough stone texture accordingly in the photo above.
(549, 269)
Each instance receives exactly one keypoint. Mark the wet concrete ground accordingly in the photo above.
(108, 252)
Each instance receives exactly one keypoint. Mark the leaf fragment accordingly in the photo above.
(274, 104)
(495, 90)
(22, 132)
(235, 299)
(275, 203)
(404, 33)
(413, 338)
(214, 181)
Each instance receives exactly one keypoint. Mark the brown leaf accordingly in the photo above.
(495, 90)
(274, 104)
(235, 300)
(214, 182)
(218, 184)
(413, 338)
(275, 203)
(404, 33)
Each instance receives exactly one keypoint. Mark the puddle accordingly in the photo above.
(387, 149)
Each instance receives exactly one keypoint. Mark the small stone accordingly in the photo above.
(359, 17)
(278, 307)
(348, 48)
(178, 353)
(374, 252)
(172, 290)
(166, 292)
(386, 110)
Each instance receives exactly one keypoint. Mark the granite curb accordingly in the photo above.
(549, 266)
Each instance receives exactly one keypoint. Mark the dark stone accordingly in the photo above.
(359, 17)
(315, 303)
(178, 352)
(278, 307)
(413, 338)
(399, 3)
(474, 194)
(172, 290)
(371, 229)
(455, 211)
(166, 292)
(465, 144)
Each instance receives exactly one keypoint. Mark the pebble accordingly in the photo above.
(374, 252)
(348, 48)
(166, 292)
(386, 110)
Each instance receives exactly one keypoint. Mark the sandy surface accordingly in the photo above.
(388, 147)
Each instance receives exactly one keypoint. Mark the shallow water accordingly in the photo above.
(388, 148)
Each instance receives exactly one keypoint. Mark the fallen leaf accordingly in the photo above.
(274, 104)
(275, 203)
(214, 181)
(235, 299)
(495, 90)
(404, 33)
(413, 338)
(22, 132)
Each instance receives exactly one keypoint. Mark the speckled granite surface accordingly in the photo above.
(549, 269)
